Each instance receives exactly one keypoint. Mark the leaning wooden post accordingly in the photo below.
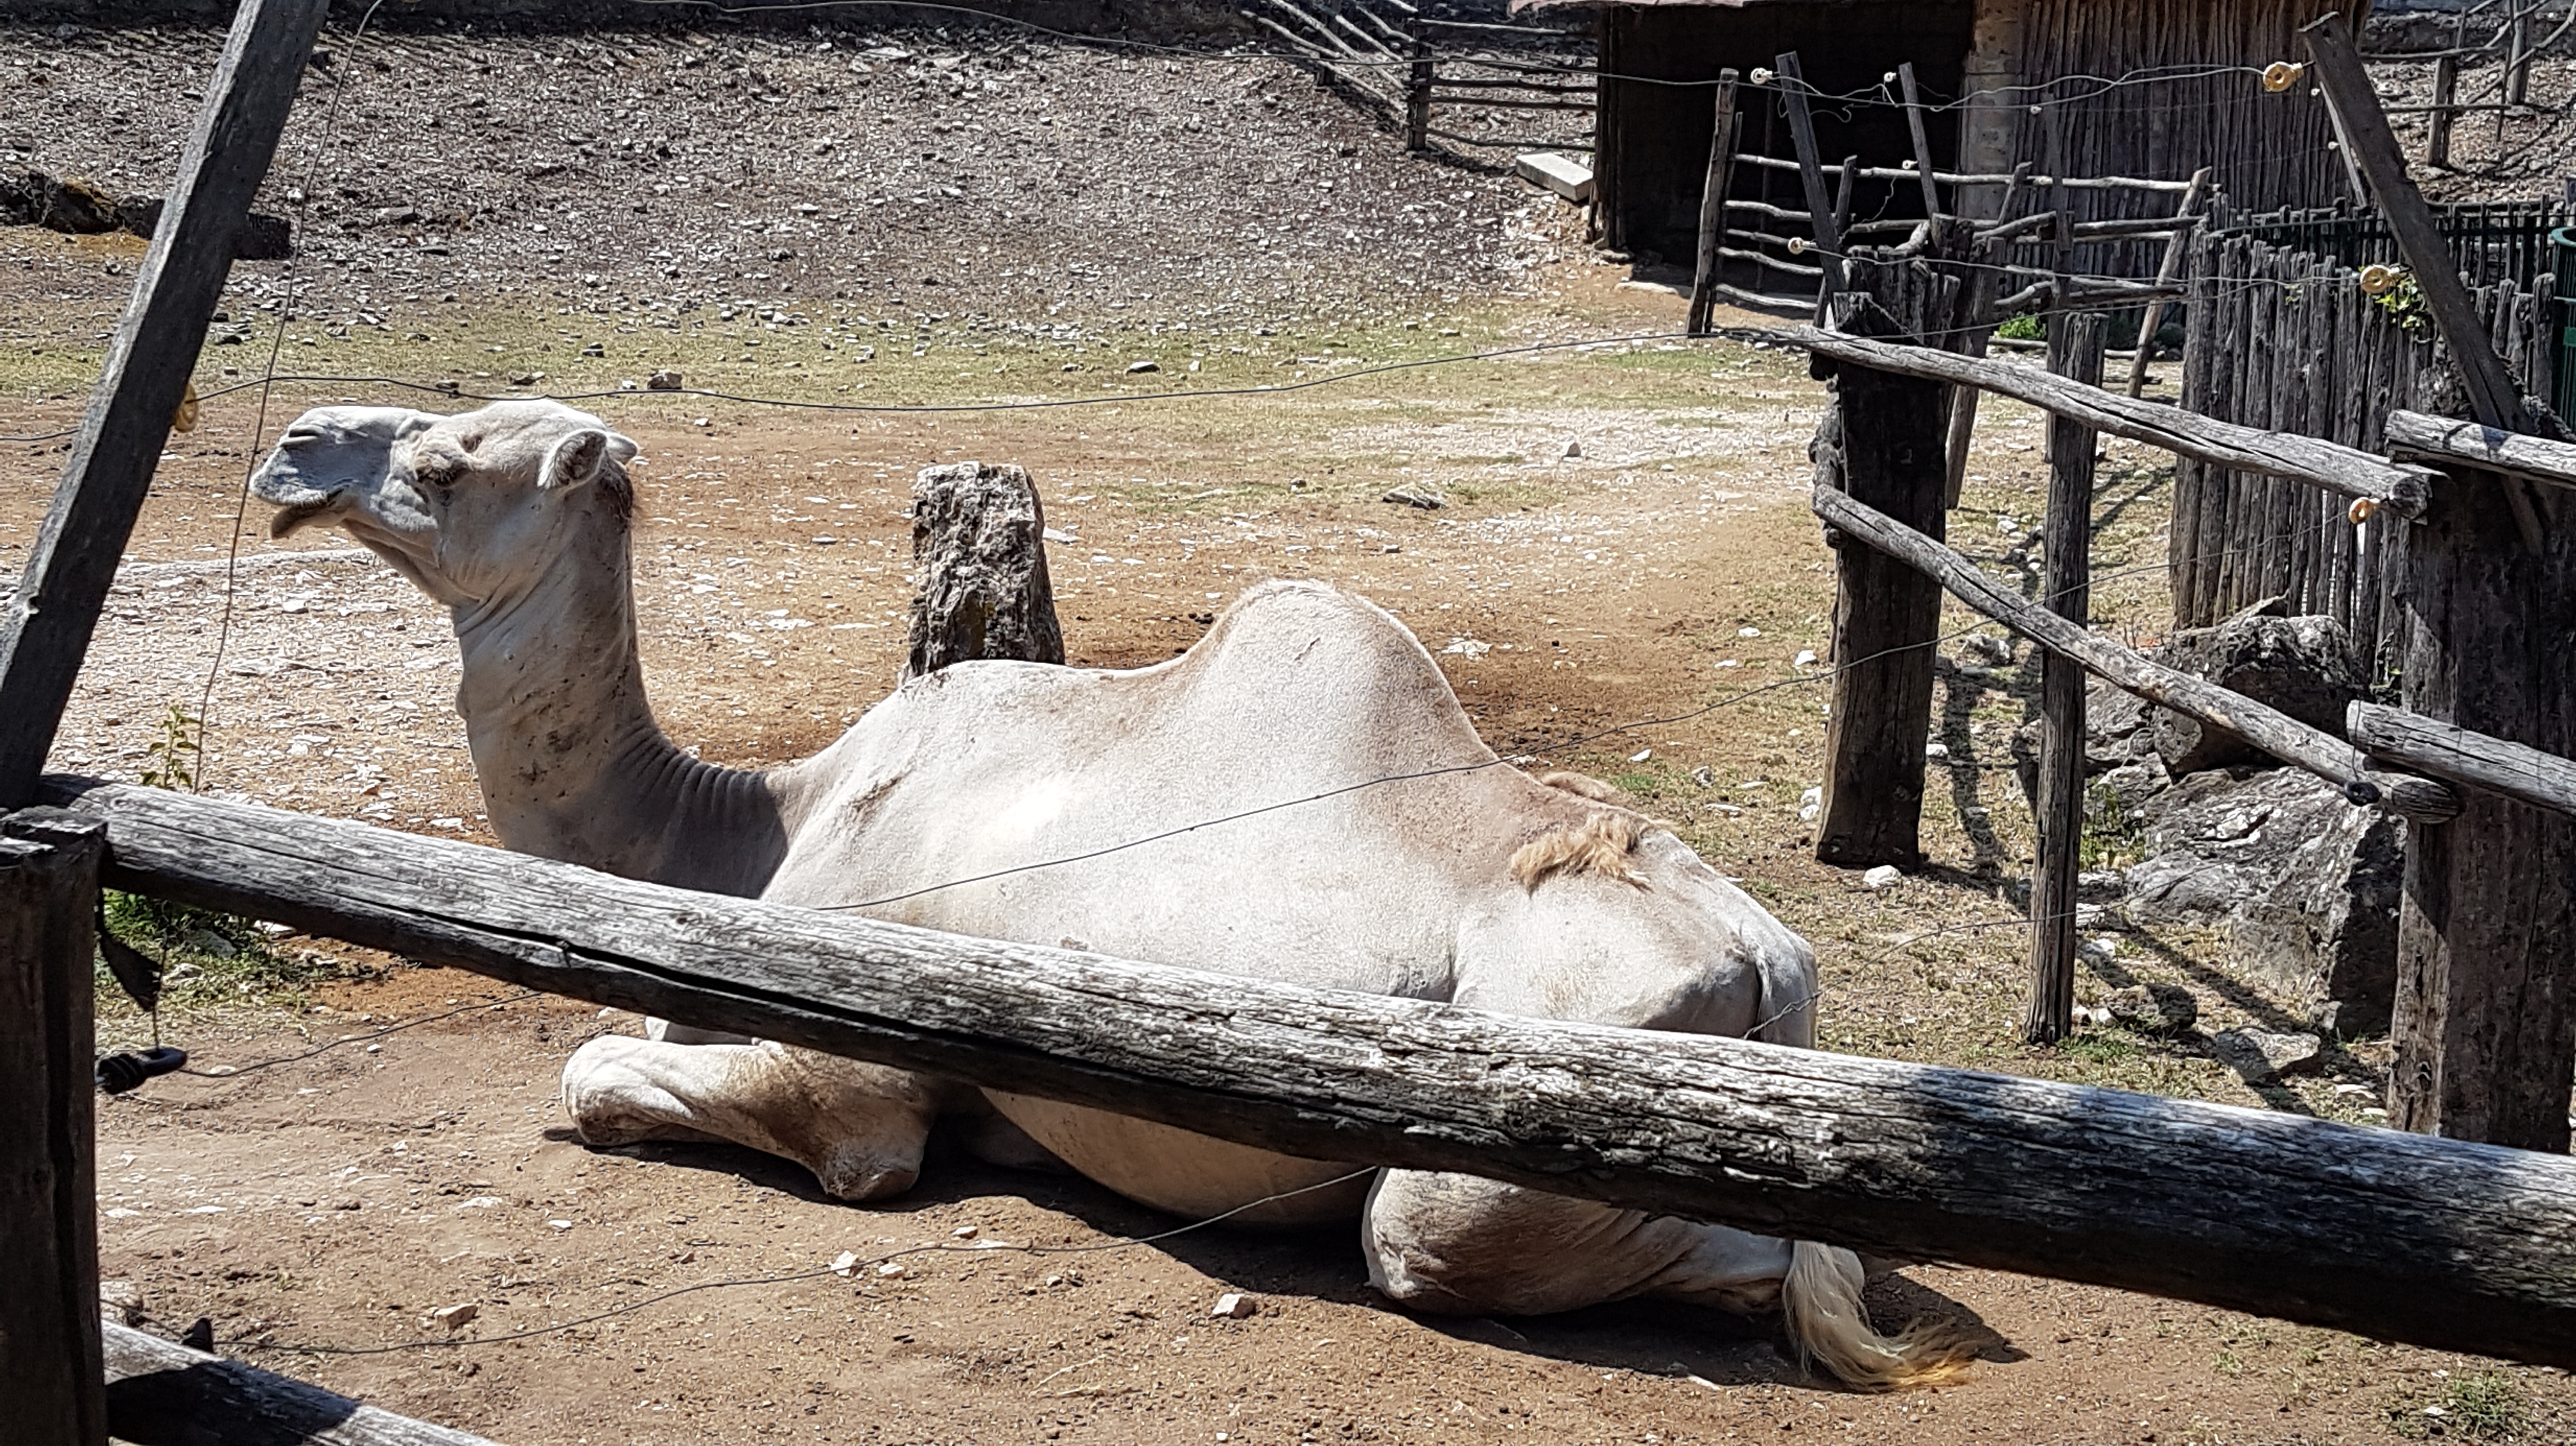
(2177, 250)
(1417, 99)
(1712, 203)
(1922, 140)
(2074, 352)
(1811, 177)
(979, 543)
(2486, 930)
(49, 1352)
(1882, 442)
(1977, 318)
(46, 630)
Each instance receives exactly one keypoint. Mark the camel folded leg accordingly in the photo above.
(1458, 1245)
(859, 1127)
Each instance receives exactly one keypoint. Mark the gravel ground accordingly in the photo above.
(957, 177)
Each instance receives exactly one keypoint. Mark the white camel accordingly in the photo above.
(1484, 888)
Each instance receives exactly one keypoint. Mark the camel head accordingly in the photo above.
(470, 507)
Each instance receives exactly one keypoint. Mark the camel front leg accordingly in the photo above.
(859, 1127)
(1459, 1245)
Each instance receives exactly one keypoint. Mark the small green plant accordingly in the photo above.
(2405, 305)
(172, 759)
(2113, 837)
(1639, 783)
(2023, 328)
(2230, 1364)
(2481, 1406)
(2094, 1047)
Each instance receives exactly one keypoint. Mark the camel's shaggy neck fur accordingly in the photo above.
(573, 765)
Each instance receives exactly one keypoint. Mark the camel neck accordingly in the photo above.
(572, 763)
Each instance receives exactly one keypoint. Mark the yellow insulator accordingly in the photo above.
(2282, 74)
(2379, 279)
(2362, 510)
(185, 419)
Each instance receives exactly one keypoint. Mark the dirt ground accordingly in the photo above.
(1624, 538)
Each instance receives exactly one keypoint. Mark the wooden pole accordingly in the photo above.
(2396, 1237)
(1417, 99)
(49, 1357)
(1883, 442)
(1811, 176)
(1712, 203)
(1977, 314)
(2446, 750)
(2494, 399)
(2267, 728)
(2074, 352)
(161, 1394)
(2437, 121)
(46, 631)
(2393, 488)
(2486, 931)
(1922, 139)
(2177, 250)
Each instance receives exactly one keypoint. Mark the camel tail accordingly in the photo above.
(1830, 1327)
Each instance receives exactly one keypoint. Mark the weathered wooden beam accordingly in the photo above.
(162, 1394)
(2066, 586)
(2446, 750)
(45, 632)
(1712, 204)
(1883, 440)
(49, 1368)
(2395, 488)
(2400, 1237)
(2275, 732)
(2450, 440)
(2494, 397)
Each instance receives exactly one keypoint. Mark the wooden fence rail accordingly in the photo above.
(2399, 1237)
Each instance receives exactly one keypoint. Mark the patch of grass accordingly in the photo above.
(209, 959)
(2099, 1047)
(2023, 328)
(2113, 839)
(2481, 1406)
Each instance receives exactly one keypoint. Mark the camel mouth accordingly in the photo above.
(295, 515)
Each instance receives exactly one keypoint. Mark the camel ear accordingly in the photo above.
(578, 460)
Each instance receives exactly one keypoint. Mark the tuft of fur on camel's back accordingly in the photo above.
(1601, 844)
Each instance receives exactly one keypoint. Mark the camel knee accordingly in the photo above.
(615, 1095)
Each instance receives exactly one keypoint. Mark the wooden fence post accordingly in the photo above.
(2074, 352)
(2486, 932)
(2177, 250)
(1883, 442)
(1417, 99)
(1922, 139)
(2437, 122)
(49, 1348)
(1712, 203)
(46, 629)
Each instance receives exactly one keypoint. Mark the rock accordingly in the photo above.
(2262, 1057)
(1573, 449)
(964, 1232)
(663, 381)
(121, 1299)
(594, 349)
(1423, 498)
(1885, 876)
(2306, 884)
(2116, 738)
(2153, 1008)
(1704, 776)
(978, 535)
(200, 1336)
(1143, 366)
(454, 1317)
(1233, 1306)
(890, 1270)
(2101, 886)
(1806, 658)
(2303, 666)
(846, 1263)
(1811, 804)
(1563, 174)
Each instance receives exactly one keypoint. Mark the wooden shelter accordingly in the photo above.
(2148, 88)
